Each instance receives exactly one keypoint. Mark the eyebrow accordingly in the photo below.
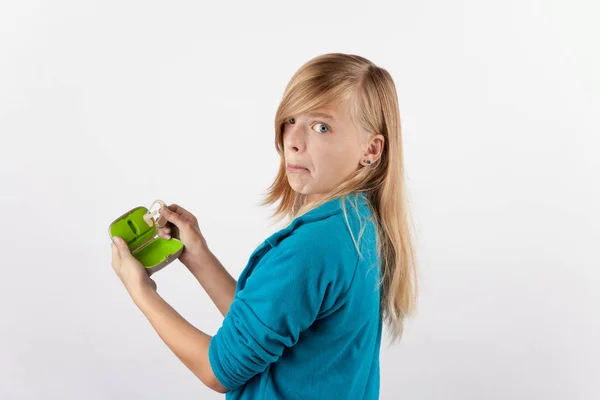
(323, 115)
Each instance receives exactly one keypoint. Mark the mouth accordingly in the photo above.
(295, 168)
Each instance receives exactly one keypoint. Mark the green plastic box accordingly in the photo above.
(151, 250)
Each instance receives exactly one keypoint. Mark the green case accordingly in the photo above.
(151, 250)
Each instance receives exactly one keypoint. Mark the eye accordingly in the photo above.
(320, 130)
(323, 126)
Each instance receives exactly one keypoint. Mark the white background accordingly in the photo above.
(108, 105)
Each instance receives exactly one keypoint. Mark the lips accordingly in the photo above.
(293, 167)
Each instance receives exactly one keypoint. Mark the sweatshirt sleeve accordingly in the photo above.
(282, 297)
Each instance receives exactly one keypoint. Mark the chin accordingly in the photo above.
(298, 188)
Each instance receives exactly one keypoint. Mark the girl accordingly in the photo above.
(304, 320)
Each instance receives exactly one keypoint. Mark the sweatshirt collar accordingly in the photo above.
(323, 211)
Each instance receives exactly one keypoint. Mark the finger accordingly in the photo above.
(122, 247)
(153, 284)
(183, 213)
(165, 231)
(171, 215)
(177, 209)
(116, 258)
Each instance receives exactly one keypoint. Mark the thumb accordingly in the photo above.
(171, 216)
(121, 246)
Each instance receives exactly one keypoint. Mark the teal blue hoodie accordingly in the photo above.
(305, 320)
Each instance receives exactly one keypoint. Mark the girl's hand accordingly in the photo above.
(131, 272)
(182, 225)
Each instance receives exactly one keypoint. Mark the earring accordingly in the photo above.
(368, 161)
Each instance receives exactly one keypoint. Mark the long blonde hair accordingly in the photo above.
(329, 79)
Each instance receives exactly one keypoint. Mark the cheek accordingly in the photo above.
(336, 161)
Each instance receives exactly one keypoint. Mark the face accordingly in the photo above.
(328, 148)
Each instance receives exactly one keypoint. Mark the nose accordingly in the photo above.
(293, 137)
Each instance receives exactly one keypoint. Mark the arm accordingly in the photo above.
(215, 280)
(197, 257)
(188, 343)
(282, 297)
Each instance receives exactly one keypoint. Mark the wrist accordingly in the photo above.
(195, 261)
(142, 293)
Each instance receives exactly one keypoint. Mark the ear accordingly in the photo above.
(373, 150)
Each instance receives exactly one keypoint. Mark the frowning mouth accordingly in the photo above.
(295, 168)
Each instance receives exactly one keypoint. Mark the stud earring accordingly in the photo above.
(368, 161)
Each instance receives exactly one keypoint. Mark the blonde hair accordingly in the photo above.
(329, 79)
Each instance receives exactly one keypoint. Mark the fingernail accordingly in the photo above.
(116, 239)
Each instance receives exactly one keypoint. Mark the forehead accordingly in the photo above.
(334, 113)
(321, 115)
